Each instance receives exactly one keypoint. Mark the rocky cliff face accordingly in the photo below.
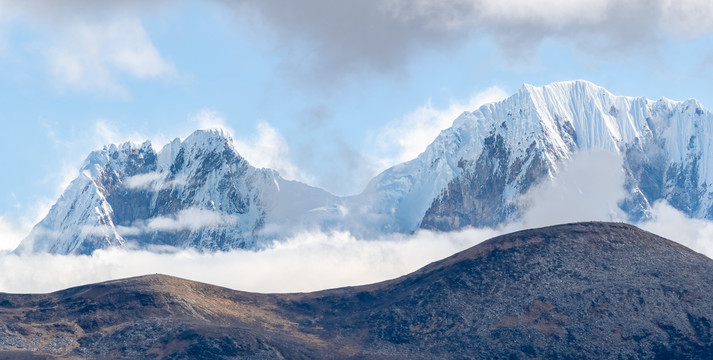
(589, 290)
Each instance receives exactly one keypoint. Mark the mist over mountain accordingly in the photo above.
(585, 290)
(200, 193)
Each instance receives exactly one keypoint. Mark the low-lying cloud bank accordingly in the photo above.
(307, 262)
(587, 188)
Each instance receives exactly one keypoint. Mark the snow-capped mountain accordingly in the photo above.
(194, 193)
(200, 193)
(474, 172)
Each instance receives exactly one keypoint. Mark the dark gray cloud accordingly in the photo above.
(353, 35)
(49, 11)
(343, 36)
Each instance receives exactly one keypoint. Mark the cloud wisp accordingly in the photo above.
(88, 47)
(409, 136)
(266, 149)
(192, 219)
(143, 181)
(269, 149)
(12, 233)
(92, 56)
(670, 223)
(587, 187)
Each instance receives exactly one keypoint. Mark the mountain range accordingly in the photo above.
(586, 290)
(200, 193)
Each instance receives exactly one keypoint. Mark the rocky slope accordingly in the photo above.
(588, 290)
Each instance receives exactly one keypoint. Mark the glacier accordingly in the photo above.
(200, 193)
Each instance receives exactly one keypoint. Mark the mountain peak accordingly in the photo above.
(116, 156)
(573, 88)
(214, 140)
(198, 192)
(209, 134)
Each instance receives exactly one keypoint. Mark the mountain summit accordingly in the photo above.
(200, 193)
(474, 172)
(197, 193)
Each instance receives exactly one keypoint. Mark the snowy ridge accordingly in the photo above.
(516, 142)
(196, 193)
(201, 193)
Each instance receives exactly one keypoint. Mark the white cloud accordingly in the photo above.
(688, 18)
(107, 133)
(266, 149)
(672, 224)
(143, 181)
(307, 262)
(15, 226)
(375, 34)
(89, 46)
(409, 136)
(11, 233)
(587, 187)
(92, 56)
(207, 119)
(189, 219)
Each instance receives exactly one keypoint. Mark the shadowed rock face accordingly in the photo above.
(596, 290)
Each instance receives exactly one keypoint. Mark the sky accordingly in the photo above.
(329, 92)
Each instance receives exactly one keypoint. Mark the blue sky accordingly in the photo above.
(328, 92)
